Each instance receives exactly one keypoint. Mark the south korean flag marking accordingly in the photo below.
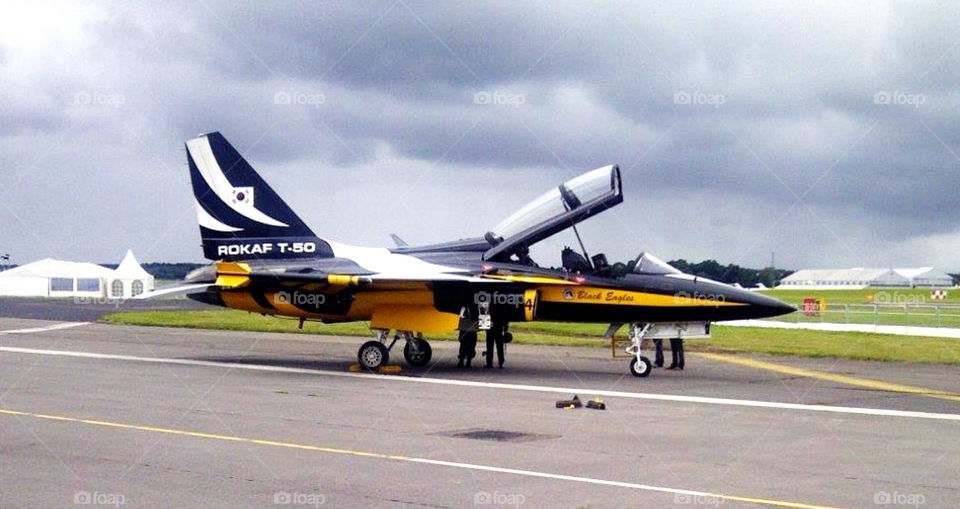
(242, 195)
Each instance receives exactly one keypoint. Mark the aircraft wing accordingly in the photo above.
(171, 290)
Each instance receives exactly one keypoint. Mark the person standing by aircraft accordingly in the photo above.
(496, 336)
(658, 352)
(468, 348)
(468, 340)
(676, 348)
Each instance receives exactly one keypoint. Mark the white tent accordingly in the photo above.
(129, 279)
(926, 276)
(864, 277)
(54, 278)
(58, 278)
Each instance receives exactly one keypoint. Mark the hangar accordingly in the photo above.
(59, 278)
(860, 277)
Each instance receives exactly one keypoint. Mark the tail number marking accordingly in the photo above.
(260, 248)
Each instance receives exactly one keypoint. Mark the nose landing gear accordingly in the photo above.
(639, 365)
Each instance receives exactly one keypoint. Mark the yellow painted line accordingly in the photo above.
(831, 377)
(409, 459)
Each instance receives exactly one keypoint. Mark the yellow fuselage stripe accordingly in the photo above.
(607, 296)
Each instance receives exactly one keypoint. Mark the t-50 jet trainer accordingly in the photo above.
(269, 261)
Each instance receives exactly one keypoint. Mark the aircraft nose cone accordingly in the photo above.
(766, 306)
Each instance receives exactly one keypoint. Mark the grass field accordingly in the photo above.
(866, 296)
(847, 345)
(881, 306)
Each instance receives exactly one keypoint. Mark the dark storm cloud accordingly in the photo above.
(733, 122)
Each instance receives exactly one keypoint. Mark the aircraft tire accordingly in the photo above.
(372, 355)
(420, 358)
(641, 367)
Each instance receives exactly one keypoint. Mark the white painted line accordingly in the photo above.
(493, 385)
(56, 326)
(900, 330)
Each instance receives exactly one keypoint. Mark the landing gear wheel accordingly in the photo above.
(372, 355)
(640, 367)
(419, 356)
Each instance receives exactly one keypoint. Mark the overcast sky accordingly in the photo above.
(826, 133)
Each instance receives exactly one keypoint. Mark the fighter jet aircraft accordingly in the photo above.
(268, 261)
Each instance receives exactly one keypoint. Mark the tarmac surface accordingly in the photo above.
(87, 308)
(121, 416)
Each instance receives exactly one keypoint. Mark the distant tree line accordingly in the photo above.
(732, 273)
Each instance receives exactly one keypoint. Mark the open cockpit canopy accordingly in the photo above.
(556, 210)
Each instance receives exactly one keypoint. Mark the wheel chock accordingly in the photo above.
(569, 403)
(390, 369)
(597, 404)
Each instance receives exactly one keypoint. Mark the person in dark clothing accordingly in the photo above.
(523, 256)
(468, 348)
(495, 337)
(658, 352)
(676, 348)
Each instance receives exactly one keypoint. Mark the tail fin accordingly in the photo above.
(240, 216)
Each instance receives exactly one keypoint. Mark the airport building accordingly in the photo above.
(839, 279)
(58, 278)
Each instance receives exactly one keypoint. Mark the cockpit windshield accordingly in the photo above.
(556, 210)
(646, 263)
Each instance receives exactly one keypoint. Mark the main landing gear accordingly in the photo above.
(376, 353)
(639, 365)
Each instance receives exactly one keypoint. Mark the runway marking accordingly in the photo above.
(414, 459)
(58, 326)
(832, 377)
(494, 385)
